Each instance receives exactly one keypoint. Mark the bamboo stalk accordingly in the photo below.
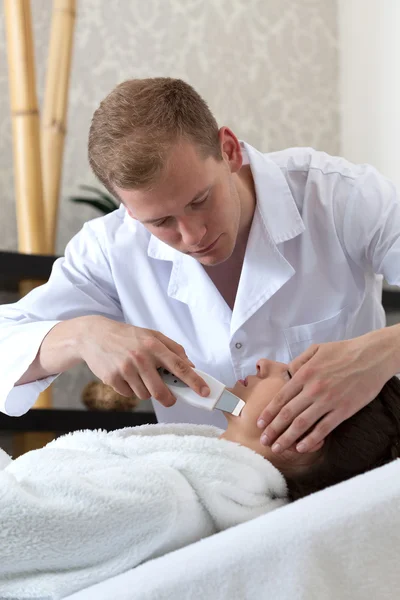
(25, 126)
(37, 177)
(27, 159)
(55, 111)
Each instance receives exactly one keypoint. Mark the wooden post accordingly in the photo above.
(37, 204)
(55, 111)
(25, 127)
(27, 159)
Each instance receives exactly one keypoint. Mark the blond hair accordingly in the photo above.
(136, 125)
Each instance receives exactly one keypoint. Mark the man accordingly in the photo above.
(218, 256)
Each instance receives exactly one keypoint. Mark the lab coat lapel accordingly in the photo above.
(276, 220)
(189, 282)
(264, 272)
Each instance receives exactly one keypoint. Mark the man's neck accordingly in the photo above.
(247, 194)
(226, 276)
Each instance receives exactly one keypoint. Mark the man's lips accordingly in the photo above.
(207, 249)
(243, 382)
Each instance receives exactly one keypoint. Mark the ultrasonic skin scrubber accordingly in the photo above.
(220, 398)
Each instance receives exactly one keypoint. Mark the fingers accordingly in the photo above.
(157, 388)
(138, 375)
(136, 384)
(120, 385)
(173, 346)
(158, 354)
(181, 369)
(185, 372)
(316, 438)
(289, 406)
(177, 362)
(316, 447)
(139, 357)
(307, 408)
(289, 391)
(292, 448)
(303, 358)
(302, 424)
(128, 384)
(291, 414)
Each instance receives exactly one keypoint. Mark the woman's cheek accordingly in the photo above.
(248, 420)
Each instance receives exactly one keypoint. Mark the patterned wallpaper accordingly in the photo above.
(268, 69)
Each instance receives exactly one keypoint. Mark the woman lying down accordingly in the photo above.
(93, 504)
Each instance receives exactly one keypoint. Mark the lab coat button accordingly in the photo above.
(238, 345)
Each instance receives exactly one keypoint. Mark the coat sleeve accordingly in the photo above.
(80, 284)
(367, 217)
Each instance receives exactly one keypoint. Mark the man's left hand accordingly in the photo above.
(330, 383)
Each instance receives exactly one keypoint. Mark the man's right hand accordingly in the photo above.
(127, 357)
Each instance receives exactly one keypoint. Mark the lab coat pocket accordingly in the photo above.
(300, 337)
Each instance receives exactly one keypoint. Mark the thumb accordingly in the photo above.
(302, 359)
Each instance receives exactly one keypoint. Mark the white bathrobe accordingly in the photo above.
(93, 504)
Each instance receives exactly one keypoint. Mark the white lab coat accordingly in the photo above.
(323, 234)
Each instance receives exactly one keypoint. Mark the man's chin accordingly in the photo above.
(211, 261)
(214, 259)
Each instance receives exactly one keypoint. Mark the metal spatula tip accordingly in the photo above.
(230, 403)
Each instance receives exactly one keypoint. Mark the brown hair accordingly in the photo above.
(368, 439)
(135, 126)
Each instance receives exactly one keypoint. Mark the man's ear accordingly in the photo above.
(230, 149)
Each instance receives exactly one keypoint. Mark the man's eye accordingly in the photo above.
(161, 223)
(195, 204)
(200, 202)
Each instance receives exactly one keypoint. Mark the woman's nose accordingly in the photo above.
(266, 367)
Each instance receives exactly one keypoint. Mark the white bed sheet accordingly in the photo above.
(342, 543)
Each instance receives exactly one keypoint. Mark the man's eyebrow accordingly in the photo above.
(196, 197)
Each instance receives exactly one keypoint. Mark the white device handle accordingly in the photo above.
(183, 392)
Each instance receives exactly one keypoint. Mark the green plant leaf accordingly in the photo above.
(103, 195)
(102, 206)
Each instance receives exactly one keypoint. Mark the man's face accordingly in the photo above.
(194, 207)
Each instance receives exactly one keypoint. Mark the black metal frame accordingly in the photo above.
(391, 300)
(16, 267)
(65, 420)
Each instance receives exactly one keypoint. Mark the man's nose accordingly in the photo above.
(192, 232)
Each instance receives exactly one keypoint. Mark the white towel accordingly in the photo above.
(93, 504)
(339, 544)
(5, 459)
